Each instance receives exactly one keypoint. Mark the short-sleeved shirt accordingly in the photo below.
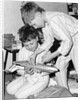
(24, 55)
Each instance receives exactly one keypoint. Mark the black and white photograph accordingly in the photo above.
(39, 50)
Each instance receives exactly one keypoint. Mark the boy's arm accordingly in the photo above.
(63, 34)
(49, 57)
(48, 42)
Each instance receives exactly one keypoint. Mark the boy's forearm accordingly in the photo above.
(49, 57)
(55, 54)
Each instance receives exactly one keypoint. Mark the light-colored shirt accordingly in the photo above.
(24, 55)
(62, 27)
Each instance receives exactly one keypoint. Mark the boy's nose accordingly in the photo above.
(35, 27)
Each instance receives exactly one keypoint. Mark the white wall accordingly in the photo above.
(54, 6)
(12, 16)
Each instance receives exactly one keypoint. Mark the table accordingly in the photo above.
(10, 50)
(14, 52)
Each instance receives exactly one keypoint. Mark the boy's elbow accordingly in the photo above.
(70, 45)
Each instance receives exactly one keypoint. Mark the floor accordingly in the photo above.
(72, 81)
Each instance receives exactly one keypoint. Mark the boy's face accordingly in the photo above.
(31, 45)
(37, 21)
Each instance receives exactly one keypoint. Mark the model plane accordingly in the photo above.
(21, 64)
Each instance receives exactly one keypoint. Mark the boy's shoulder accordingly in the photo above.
(51, 14)
(23, 50)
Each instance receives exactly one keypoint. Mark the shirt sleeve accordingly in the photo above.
(48, 39)
(63, 34)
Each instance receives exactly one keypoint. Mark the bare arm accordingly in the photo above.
(48, 42)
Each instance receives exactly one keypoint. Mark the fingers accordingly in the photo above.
(29, 70)
(37, 70)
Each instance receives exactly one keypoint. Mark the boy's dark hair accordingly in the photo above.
(26, 33)
(28, 11)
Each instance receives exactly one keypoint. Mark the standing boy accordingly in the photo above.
(54, 25)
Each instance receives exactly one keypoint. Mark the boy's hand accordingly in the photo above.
(29, 70)
(37, 70)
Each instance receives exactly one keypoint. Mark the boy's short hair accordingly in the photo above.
(28, 11)
(26, 33)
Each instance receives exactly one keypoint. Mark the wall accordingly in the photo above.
(12, 16)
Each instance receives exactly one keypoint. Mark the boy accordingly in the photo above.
(54, 25)
(31, 82)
